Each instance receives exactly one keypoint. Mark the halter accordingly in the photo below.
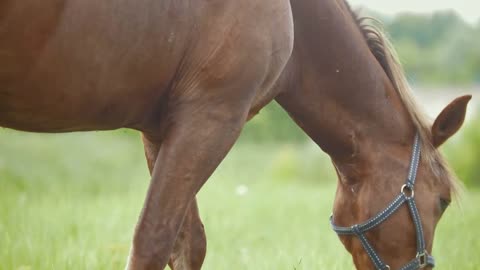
(407, 194)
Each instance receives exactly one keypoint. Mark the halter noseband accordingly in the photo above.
(407, 194)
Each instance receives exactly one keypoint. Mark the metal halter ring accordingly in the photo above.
(422, 259)
(408, 191)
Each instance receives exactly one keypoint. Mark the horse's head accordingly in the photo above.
(345, 88)
(395, 200)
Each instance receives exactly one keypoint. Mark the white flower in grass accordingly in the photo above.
(241, 190)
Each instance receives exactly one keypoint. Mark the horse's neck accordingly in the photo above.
(334, 87)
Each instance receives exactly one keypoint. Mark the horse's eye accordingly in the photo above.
(444, 203)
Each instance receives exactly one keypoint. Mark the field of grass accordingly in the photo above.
(71, 202)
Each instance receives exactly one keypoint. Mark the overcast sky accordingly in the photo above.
(469, 9)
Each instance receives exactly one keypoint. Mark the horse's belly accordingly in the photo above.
(46, 108)
(33, 113)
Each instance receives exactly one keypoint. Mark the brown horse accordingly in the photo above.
(189, 74)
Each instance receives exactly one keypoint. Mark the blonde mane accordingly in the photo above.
(386, 56)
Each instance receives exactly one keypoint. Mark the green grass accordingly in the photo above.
(71, 202)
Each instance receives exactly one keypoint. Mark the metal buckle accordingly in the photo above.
(408, 191)
(422, 259)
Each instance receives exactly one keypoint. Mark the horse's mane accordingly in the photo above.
(387, 57)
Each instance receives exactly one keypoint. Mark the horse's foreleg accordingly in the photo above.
(191, 243)
(195, 143)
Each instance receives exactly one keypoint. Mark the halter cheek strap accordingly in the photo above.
(407, 194)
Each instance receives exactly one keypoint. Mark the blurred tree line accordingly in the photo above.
(440, 48)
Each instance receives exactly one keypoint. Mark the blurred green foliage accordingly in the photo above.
(270, 125)
(439, 49)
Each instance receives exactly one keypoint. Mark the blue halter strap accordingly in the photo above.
(406, 195)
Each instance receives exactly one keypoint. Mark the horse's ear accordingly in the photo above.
(450, 120)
